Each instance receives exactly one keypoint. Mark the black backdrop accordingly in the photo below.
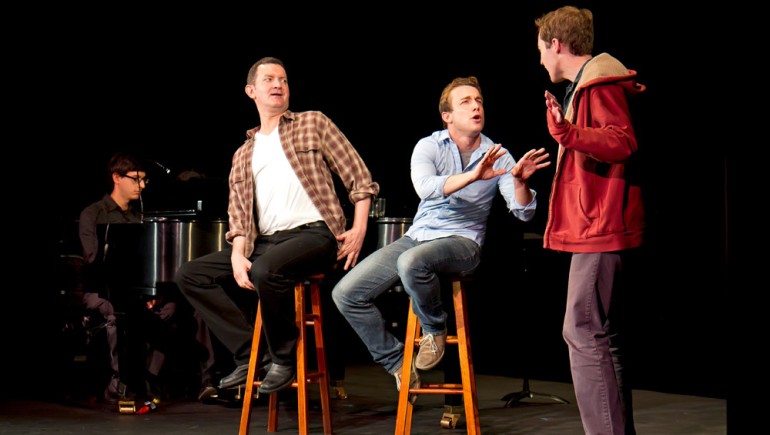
(168, 85)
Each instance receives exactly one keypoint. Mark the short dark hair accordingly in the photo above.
(264, 61)
(122, 163)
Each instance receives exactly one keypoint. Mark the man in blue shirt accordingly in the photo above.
(456, 173)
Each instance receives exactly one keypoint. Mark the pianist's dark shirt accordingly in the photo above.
(104, 211)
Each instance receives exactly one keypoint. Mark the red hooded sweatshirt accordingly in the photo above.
(593, 206)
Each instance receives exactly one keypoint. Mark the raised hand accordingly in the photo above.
(529, 163)
(554, 108)
(485, 169)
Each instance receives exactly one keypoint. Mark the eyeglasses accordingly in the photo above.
(138, 180)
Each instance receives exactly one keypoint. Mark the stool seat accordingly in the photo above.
(468, 386)
(320, 376)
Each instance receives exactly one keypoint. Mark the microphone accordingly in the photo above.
(106, 242)
(165, 169)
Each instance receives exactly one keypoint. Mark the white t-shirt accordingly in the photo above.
(282, 202)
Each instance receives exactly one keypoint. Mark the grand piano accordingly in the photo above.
(142, 259)
(181, 221)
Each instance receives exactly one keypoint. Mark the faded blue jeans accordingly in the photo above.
(417, 265)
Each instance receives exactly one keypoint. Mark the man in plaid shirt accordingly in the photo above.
(285, 223)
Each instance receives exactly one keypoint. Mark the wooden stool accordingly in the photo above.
(468, 386)
(320, 376)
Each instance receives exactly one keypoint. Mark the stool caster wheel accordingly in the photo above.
(338, 391)
(450, 418)
(449, 421)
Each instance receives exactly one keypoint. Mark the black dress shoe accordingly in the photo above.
(264, 365)
(237, 377)
(277, 378)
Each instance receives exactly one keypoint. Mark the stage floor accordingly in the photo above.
(370, 408)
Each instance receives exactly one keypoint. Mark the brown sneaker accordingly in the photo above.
(431, 351)
(414, 381)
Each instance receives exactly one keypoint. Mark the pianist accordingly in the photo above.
(119, 206)
(134, 372)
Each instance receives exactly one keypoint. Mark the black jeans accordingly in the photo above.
(278, 262)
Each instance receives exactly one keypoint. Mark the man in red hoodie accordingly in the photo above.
(595, 211)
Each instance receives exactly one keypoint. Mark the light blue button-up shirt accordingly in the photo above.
(465, 212)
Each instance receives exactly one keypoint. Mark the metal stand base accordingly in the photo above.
(512, 399)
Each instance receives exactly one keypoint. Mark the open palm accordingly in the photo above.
(529, 163)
